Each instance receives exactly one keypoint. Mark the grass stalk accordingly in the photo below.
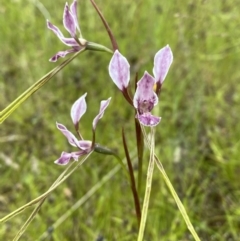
(59, 181)
(147, 189)
(172, 190)
(81, 201)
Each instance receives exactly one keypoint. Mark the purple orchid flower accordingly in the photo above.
(70, 23)
(145, 98)
(85, 146)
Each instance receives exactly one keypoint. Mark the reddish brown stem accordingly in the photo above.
(132, 180)
(110, 34)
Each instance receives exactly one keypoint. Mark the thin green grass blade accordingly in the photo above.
(172, 190)
(59, 181)
(36, 86)
(5, 113)
(147, 188)
(81, 201)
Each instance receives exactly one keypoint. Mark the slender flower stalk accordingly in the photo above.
(147, 189)
(109, 31)
(171, 188)
(40, 200)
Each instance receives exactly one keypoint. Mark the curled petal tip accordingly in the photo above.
(103, 106)
(63, 159)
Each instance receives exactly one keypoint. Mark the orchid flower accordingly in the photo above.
(85, 146)
(145, 98)
(70, 23)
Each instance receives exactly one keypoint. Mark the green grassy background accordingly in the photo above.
(198, 139)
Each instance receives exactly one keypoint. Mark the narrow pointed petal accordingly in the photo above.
(61, 54)
(162, 62)
(119, 70)
(78, 109)
(71, 138)
(64, 158)
(148, 120)
(73, 9)
(55, 29)
(69, 21)
(145, 98)
(104, 104)
(68, 41)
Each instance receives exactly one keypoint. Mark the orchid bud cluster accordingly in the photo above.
(144, 99)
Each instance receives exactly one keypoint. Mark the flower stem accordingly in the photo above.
(177, 200)
(80, 202)
(109, 31)
(59, 181)
(147, 189)
(140, 148)
(172, 190)
(132, 179)
(32, 89)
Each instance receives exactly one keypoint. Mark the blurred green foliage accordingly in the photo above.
(198, 139)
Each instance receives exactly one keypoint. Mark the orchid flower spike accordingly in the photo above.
(85, 146)
(145, 97)
(70, 23)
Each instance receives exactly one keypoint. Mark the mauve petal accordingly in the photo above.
(73, 9)
(55, 29)
(61, 54)
(78, 109)
(67, 41)
(71, 138)
(148, 120)
(119, 70)
(68, 21)
(85, 145)
(70, 42)
(162, 62)
(64, 158)
(104, 104)
(145, 98)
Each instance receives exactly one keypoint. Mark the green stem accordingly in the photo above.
(147, 190)
(177, 200)
(59, 181)
(31, 217)
(173, 192)
(81, 201)
(98, 47)
(36, 86)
